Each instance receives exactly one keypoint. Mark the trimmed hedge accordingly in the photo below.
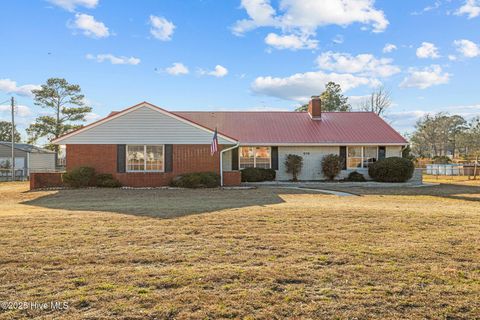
(106, 180)
(257, 175)
(394, 169)
(79, 177)
(356, 177)
(196, 180)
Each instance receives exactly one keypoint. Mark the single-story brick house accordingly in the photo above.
(145, 145)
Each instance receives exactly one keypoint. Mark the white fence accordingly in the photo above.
(452, 170)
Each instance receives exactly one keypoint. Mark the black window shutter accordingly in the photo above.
(121, 157)
(343, 156)
(168, 157)
(235, 159)
(275, 158)
(382, 153)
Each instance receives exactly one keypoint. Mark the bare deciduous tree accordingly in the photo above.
(378, 102)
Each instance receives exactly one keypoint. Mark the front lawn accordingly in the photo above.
(247, 254)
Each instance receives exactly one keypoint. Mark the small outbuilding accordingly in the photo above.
(28, 158)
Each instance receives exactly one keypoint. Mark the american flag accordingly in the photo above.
(214, 145)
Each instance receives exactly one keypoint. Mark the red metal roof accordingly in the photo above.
(298, 127)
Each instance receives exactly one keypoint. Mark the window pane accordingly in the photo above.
(354, 157)
(135, 158)
(154, 158)
(246, 157)
(369, 155)
(262, 157)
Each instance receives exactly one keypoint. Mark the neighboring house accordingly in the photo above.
(28, 158)
(145, 145)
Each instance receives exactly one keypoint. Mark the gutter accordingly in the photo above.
(221, 161)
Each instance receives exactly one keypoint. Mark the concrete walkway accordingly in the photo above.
(336, 193)
(332, 185)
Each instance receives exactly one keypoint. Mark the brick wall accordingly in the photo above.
(103, 157)
(45, 180)
(232, 178)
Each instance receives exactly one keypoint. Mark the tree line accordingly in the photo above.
(441, 135)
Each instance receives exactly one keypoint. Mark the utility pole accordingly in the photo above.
(13, 138)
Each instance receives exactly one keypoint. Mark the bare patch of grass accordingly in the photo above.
(251, 254)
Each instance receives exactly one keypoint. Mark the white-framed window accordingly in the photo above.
(361, 156)
(255, 157)
(145, 158)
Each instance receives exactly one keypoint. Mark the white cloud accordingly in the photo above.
(427, 77)
(470, 8)
(113, 59)
(70, 5)
(467, 48)
(357, 100)
(89, 26)
(10, 86)
(307, 15)
(177, 69)
(404, 120)
(364, 64)
(435, 6)
(427, 50)
(161, 29)
(261, 14)
(301, 86)
(291, 41)
(219, 71)
(91, 117)
(20, 110)
(389, 48)
(452, 57)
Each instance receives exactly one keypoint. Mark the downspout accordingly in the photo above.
(221, 161)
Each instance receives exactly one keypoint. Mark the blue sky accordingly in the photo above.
(243, 54)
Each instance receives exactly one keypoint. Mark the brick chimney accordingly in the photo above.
(315, 108)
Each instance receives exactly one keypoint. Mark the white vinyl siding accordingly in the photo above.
(144, 126)
(393, 151)
(41, 161)
(312, 159)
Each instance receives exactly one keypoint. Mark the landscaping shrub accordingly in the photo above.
(356, 177)
(79, 177)
(106, 180)
(257, 175)
(197, 180)
(331, 166)
(294, 164)
(394, 169)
